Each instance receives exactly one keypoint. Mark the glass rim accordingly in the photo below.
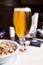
(26, 9)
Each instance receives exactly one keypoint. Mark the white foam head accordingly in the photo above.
(26, 9)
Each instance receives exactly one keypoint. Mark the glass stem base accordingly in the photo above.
(22, 43)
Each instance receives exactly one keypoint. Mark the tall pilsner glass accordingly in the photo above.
(22, 23)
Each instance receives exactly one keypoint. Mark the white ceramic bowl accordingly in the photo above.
(10, 58)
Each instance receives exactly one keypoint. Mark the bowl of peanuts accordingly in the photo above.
(8, 51)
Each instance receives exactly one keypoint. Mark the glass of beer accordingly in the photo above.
(22, 24)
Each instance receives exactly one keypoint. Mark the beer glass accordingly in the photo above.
(22, 23)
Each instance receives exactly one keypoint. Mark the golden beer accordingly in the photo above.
(22, 21)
